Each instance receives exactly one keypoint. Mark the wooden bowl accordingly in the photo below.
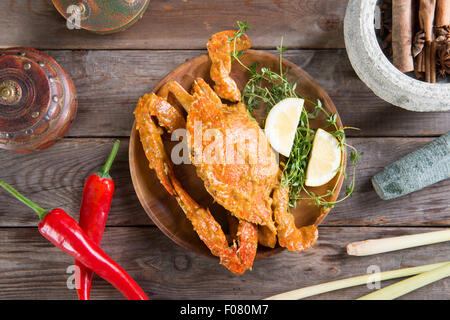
(164, 210)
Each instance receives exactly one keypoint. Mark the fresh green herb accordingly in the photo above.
(339, 134)
(243, 27)
(265, 88)
(294, 171)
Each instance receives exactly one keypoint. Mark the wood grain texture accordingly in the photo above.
(175, 24)
(32, 268)
(56, 178)
(109, 84)
(111, 72)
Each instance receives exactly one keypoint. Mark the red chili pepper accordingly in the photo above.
(65, 233)
(97, 196)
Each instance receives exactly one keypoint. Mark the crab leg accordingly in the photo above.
(180, 93)
(220, 49)
(247, 237)
(202, 89)
(210, 232)
(152, 143)
(168, 116)
(289, 236)
(248, 242)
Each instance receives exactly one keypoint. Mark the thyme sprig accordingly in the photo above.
(266, 88)
(243, 27)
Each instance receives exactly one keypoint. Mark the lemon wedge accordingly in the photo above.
(325, 159)
(281, 124)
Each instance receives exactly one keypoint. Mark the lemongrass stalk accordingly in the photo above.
(405, 286)
(375, 246)
(352, 282)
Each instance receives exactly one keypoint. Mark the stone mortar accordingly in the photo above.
(378, 73)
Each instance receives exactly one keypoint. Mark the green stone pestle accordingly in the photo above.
(415, 171)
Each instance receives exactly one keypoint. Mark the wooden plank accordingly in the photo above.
(110, 82)
(56, 176)
(32, 268)
(165, 25)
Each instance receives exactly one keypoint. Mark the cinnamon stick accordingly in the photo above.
(433, 52)
(422, 61)
(426, 17)
(442, 13)
(427, 58)
(402, 34)
(442, 25)
(420, 65)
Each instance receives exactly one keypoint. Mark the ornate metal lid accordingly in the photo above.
(37, 100)
(102, 16)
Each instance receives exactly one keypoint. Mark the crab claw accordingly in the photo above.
(289, 236)
(248, 242)
(220, 49)
(151, 140)
(210, 232)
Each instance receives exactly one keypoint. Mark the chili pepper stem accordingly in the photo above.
(40, 211)
(105, 171)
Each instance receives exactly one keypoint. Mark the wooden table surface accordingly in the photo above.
(111, 72)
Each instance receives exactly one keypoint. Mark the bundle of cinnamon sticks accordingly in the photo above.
(419, 35)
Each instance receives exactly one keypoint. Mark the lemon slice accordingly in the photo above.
(281, 124)
(325, 159)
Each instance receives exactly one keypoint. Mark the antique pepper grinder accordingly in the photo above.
(101, 16)
(37, 100)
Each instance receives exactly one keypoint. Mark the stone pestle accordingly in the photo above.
(415, 171)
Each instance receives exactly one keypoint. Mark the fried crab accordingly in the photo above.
(248, 186)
